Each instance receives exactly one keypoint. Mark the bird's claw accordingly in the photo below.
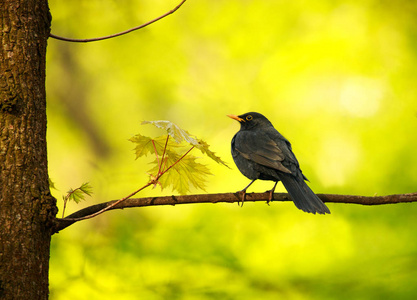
(271, 196)
(271, 193)
(243, 198)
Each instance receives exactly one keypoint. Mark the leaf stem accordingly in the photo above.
(156, 152)
(178, 160)
(163, 154)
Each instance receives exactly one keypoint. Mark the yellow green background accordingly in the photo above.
(337, 78)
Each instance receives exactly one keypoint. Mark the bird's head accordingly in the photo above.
(251, 120)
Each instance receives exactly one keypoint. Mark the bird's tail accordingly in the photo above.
(303, 197)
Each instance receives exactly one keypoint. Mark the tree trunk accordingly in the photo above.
(26, 206)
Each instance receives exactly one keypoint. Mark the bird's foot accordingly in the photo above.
(271, 193)
(271, 196)
(242, 198)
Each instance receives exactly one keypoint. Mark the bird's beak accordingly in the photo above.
(236, 118)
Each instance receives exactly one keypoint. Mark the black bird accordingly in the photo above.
(261, 152)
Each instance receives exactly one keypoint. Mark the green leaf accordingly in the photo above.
(51, 184)
(184, 170)
(181, 135)
(170, 158)
(184, 174)
(204, 148)
(173, 130)
(79, 193)
(146, 145)
(143, 145)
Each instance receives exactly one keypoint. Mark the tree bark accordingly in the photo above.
(26, 205)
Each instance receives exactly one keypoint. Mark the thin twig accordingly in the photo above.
(110, 206)
(120, 33)
(65, 206)
(178, 160)
(130, 195)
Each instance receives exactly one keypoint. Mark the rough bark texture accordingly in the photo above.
(26, 206)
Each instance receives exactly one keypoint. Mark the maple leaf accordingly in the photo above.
(204, 148)
(146, 145)
(173, 130)
(181, 135)
(79, 193)
(184, 174)
(170, 168)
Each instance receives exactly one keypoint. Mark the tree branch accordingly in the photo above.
(120, 33)
(226, 198)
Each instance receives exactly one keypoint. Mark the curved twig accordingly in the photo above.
(120, 33)
(226, 198)
(110, 205)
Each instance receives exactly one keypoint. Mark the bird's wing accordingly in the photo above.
(260, 148)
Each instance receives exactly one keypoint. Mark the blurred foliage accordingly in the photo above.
(337, 78)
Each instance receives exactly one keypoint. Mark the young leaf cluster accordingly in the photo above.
(77, 195)
(172, 154)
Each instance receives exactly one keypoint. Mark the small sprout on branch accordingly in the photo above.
(77, 195)
(51, 184)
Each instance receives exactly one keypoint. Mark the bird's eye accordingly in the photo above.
(249, 118)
